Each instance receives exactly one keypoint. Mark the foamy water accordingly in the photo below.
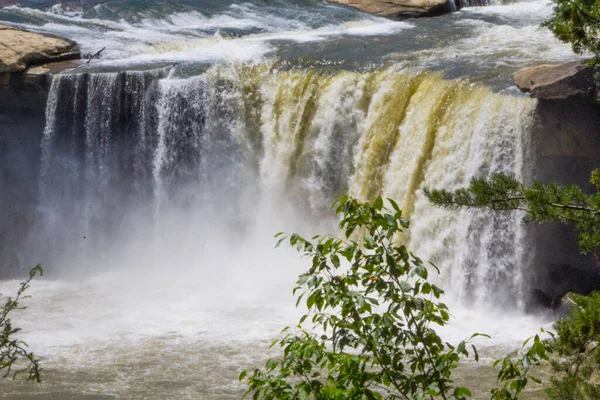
(473, 41)
(135, 336)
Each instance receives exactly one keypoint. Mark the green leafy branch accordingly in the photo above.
(373, 313)
(543, 203)
(15, 359)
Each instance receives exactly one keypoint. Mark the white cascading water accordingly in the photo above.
(226, 138)
(160, 195)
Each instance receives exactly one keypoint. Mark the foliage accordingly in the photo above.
(15, 359)
(515, 371)
(577, 354)
(544, 203)
(577, 22)
(374, 312)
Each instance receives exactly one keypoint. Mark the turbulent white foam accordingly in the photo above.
(507, 331)
(355, 28)
(530, 12)
(208, 297)
(206, 50)
(503, 34)
(59, 9)
(369, 28)
(494, 46)
(175, 36)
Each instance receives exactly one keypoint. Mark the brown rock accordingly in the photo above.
(397, 9)
(557, 82)
(20, 49)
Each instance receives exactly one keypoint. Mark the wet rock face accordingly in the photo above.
(22, 120)
(398, 9)
(566, 150)
(20, 49)
(557, 82)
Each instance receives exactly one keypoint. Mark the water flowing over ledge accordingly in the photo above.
(124, 149)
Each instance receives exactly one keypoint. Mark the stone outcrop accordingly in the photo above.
(27, 62)
(398, 9)
(558, 82)
(20, 49)
(568, 305)
(565, 149)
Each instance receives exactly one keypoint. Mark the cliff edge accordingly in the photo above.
(560, 82)
(20, 49)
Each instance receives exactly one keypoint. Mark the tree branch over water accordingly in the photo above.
(543, 203)
(15, 359)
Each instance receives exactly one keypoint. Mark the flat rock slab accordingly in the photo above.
(20, 49)
(557, 82)
(398, 9)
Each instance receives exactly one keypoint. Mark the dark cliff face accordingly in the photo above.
(567, 148)
(22, 120)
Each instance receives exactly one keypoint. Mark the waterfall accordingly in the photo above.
(120, 148)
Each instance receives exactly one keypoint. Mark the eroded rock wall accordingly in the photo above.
(567, 148)
(22, 120)
(20, 49)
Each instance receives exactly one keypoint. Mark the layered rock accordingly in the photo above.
(558, 82)
(398, 9)
(566, 150)
(20, 49)
(27, 61)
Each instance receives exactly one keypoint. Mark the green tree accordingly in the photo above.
(517, 368)
(15, 359)
(374, 314)
(542, 203)
(574, 346)
(577, 356)
(577, 22)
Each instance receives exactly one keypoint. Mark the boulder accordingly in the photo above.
(567, 305)
(19, 49)
(398, 9)
(557, 82)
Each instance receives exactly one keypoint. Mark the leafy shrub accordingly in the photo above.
(374, 314)
(577, 22)
(576, 358)
(15, 359)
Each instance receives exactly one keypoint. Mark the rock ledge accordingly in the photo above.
(558, 82)
(20, 49)
(398, 9)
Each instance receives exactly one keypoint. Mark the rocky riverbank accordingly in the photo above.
(27, 61)
(567, 149)
(560, 82)
(398, 9)
(21, 49)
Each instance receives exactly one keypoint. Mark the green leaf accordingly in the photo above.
(463, 391)
(475, 352)
(421, 271)
(243, 375)
(394, 204)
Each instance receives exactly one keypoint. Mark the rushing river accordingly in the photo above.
(161, 187)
